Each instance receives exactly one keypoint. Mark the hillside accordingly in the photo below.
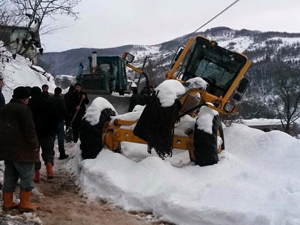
(255, 44)
(264, 49)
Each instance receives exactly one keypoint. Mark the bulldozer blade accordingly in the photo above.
(120, 103)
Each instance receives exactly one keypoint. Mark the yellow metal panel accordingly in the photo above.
(237, 80)
(170, 75)
(134, 68)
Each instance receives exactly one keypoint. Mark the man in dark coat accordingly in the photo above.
(19, 149)
(46, 122)
(78, 101)
(136, 99)
(2, 100)
(59, 105)
(67, 98)
(45, 91)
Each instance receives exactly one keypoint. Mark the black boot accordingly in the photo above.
(63, 156)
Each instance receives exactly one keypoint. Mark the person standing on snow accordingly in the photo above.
(19, 149)
(59, 104)
(78, 101)
(2, 99)
(46, 122)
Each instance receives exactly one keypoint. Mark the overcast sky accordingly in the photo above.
(111, 23)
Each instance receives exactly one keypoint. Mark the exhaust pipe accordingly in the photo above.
(94, 62)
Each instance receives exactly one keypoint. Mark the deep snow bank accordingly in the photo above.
(17, 72)
(255, 182)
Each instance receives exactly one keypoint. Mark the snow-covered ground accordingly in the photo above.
(255, 182)
(20, 72)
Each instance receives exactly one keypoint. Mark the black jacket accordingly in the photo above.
(68, 103)
(75, 99)
(44, 115)
(59, 104)
(136, 99)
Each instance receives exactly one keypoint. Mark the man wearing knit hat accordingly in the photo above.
(19, 149)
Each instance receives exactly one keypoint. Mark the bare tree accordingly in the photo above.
(286, 98)
(7, 15)
(34, 12)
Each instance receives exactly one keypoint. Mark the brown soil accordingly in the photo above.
(61, 203)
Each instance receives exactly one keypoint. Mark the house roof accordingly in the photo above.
(262, 122)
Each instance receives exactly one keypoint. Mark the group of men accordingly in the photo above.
(28, 123)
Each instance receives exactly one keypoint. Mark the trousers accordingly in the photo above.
(15, 171)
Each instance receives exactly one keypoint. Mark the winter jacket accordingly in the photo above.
(18, 140)
(45, 94)
(75, 99)
(145, 95)
(45, 116)
(59, 104)
(136, 99)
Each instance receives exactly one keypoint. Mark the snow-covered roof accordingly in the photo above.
(262, 122)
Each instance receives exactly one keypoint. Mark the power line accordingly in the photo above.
(188, 35)
(224, 10)
(73, 42)
(184, 38)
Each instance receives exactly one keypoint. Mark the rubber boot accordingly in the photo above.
(36, 176)
(63, 155)
(49, 166)
(8, 203)
(25, 204)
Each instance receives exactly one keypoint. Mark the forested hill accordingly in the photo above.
(266, 50)
(256, 45)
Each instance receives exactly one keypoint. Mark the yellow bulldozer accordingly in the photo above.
(213, 81)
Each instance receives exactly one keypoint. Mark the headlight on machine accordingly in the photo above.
(229, 107)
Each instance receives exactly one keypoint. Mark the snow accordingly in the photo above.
(18, 73)
(133, 85)
(205, 119)
(198, 82)
(94, 111)
(186, 123)
(255, 182)
(116, 94)
(40, 69)
(139, 108)
(241, 43)
(262, 122)
(169, 90)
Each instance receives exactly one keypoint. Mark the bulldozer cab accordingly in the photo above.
(217, 66)
(106, 75)
(222, 69)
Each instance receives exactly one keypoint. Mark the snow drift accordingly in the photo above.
(255, 182)
(21, 72)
